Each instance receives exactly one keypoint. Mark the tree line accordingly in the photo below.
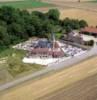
(18, 25)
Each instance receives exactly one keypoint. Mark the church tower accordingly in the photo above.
(53, 40)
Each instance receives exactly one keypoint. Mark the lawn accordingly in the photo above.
(13, 67)
(24, 4)
(10, 51)
(58, 35)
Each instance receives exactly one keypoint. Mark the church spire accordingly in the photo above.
(53, 39)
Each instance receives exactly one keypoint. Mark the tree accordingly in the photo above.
(73, 23)
(4, 37)
(49, 28)
(91, 42)
(83, 23)
(6, 14)
(53, 14)
(17, 25)
(39, 14)
(30, 30)
(18, 30)
(68, 29)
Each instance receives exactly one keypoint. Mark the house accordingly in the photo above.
(92, 31)
(54, 51)
(75, 37)
(46, 48)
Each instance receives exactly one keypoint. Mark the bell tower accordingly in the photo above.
(53, 40)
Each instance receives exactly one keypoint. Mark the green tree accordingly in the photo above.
(83, 23)
(4, 37)
(53, 14)
(30, 30)
(6, 14)
(39, 14)
(17, 25)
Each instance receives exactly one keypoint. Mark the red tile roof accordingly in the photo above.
(46, 51)
(89, 29)
(56, 45)
(56, 53)
(40, 50)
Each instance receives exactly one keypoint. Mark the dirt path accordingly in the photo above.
(39, 88)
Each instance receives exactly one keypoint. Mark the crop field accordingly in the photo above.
(80, 78)
(86, 9)
(85, 89)
(89, 16)
(23, 4)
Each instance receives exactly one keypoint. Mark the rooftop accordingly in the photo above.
(89, 29)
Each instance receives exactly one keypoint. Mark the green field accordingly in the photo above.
(92, 1)
(12, 67)
(24, 4)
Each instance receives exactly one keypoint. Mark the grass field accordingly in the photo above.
(23, 4)
(12, 67)
(33, 90)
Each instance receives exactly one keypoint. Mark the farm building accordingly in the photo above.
(44, 51)
(74, 37)
(92, 31)
(53, 51)
(45, 48)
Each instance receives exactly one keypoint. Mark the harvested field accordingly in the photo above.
(72, 9)
(82, 90)
(33, 90)
(90, 17)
